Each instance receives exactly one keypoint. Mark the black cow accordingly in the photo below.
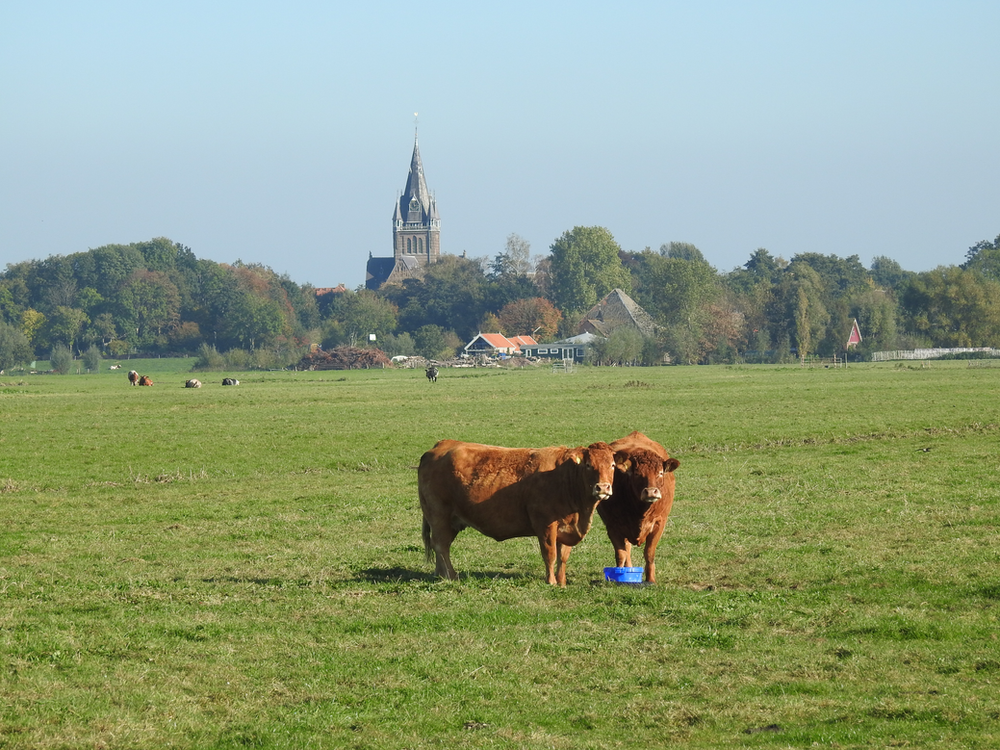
(432, 374)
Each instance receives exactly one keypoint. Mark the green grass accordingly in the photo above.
(242, 567)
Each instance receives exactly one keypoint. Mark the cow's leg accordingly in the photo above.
(623, 554)
(564, 550)
(622, 547)
(442, 535)
(439, 534)
(547, 542)
(442, 553)
(649, 551)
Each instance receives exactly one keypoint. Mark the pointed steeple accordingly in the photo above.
(416, 186)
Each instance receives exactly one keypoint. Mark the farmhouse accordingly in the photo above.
(617, 310)
(496, 344)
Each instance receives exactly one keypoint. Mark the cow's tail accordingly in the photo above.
(428, 547)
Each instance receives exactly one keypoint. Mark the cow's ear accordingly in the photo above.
(577, 457)
(622, 461)
(670, 465)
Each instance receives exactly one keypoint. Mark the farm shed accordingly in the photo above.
(575, 348)
(495, 344)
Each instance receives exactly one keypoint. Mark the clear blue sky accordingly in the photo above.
(281, 133)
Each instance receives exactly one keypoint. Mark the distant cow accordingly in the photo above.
(115, 367)
(504, 493)
(432, 374)
(133, 377)
(230, 381)
(145, 380)
(643, 494)
(193, 383)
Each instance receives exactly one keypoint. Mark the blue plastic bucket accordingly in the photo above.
(623, 575)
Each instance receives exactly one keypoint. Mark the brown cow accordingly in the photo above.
(145, 380)
(643, 494)
(512, 492)
(133, 377)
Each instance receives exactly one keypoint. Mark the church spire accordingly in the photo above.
(416, 185)
(415, 219)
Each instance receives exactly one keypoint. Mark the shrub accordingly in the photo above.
(209, 359)
(61, 359)
(92, 359)
(237, 359)
(265, 359)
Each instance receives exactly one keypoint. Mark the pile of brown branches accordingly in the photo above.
(344, 358)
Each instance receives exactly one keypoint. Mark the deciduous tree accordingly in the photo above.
(148, 304)
(15, 349)
(535, 316)
(360, 314)
(952, 307)
(584, 268)
(984, 257)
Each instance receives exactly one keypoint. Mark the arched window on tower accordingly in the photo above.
(421, 243)
(408, 248)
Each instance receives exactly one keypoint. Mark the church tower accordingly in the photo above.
(416, 226)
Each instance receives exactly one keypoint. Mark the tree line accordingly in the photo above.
(157, 297)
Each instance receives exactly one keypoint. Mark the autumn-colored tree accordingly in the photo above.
(535, 316)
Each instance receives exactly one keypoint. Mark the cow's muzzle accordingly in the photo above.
(602, 490)
(651, 495)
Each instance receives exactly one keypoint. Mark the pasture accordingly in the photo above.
(242, 567)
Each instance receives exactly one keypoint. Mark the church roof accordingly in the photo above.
(615, 310)
(378, 271)
(382, 271)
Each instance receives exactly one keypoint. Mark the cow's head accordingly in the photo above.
(649, 476)
(598, 461)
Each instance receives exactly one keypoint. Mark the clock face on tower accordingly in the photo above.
(414, 205)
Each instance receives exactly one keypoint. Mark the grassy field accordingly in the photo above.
(242, 567)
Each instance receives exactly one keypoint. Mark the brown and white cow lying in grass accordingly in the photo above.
(549, 493)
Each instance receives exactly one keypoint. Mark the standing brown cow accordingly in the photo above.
(504, 493)
(133, 377)
(643, 494)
